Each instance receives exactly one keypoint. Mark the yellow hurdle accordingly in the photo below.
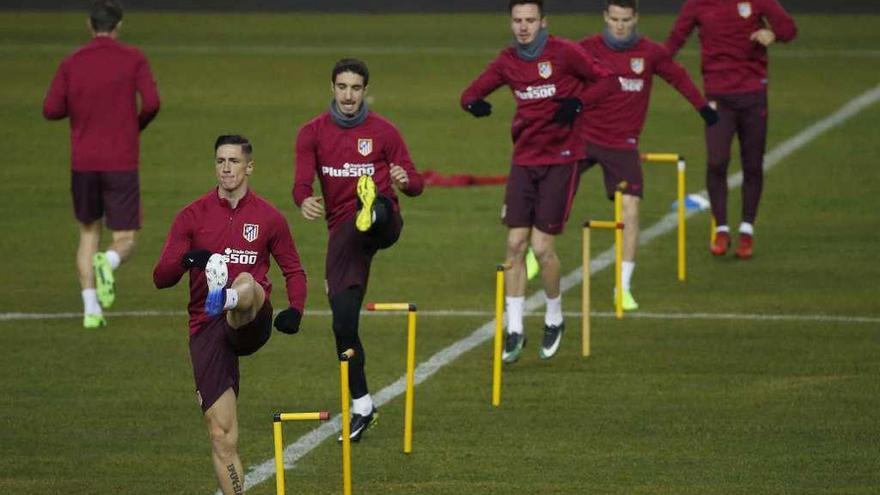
(499, 332)
(277, 420)
(410, 364)
(585, 266)
(345, 398)
(681, 167)
(618, 253)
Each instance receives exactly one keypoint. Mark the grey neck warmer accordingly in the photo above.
(533, 50)
(348, 121)
(620, 45)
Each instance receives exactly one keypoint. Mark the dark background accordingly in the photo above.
(389, 6)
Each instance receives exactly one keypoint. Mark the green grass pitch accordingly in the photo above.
(664, 406)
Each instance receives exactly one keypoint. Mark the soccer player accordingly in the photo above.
(358, 156)
(612, 127)
(734, 37)
(227, 236)
(96, 87)
(551, 80)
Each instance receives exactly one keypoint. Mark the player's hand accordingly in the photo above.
(197, 258)
(709, 114)
(568, 111)
(399, 177)
(288, 321)
(479, 108)
(763, 36)
(312, 208)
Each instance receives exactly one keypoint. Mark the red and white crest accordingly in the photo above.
(365, 146)
(637, 64)
(545, 69)
(250, 232)
(744, 9)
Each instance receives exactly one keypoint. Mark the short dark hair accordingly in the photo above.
(514, 3)
(105, 15)
(238, 139)
(626, 4)
(351, 65)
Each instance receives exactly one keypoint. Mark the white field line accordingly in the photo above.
(456, 313)
(305, 444)
(323, 50)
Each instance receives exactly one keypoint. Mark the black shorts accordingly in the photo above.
(215, 359)
(350, 253)
(114, 195)
(618, 165)
(540, 196)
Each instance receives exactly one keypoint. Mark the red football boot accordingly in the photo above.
(744, 247)
(722, 243)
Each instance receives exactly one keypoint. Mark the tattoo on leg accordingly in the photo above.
(237, 487)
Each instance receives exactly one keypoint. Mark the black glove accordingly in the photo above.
(196, 258)
(709, 114)
(479, 108)
(288, 320)
(568, 110)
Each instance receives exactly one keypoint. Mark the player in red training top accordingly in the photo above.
(228, 235)
(612, 127)
(358, 156)
(734, 36)
(96, 87)
(551, 80)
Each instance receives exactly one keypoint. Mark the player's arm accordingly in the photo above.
(473, 97)
(403, 173)
(684, 25)
(171, 264)
(673, 73)
(782, 26)
(55, 103)
(306, 156)
(146, 88)
(599, 79)
(283, 249)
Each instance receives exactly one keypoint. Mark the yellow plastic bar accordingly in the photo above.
(499, 335)
(604, 224)
(304, 416)
(410, 381)
(585, 293)
(390, 307)
(662, 157)
(346, 421)
(618, 254)
(682, 239)
(279, 458)
(712, 226)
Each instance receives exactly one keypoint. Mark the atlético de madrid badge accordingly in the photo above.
(250, 232)
(637, 64)
(545, 70)
(744, 9)
(365, 146)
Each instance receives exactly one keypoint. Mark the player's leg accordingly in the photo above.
(387, 224)
(719, 137)
(89, 238)
(630, 214)
(555, 197)
(222, 421)
(244, 299)
(120, 195)
(752, 131)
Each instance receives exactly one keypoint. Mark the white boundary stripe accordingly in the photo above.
(304, 50)
(309, 441)
(455, 313)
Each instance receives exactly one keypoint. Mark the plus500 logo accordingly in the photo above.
(239, 257)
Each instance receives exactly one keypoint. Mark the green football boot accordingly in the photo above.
(105, 285)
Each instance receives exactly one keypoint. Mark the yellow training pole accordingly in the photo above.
(410, 364)
(346, 420)
(410, 379)
(682, 251)
(585, 292)
(712, 226)
(499, 333)
(279, 458)
(618, 258)
(277, 420)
